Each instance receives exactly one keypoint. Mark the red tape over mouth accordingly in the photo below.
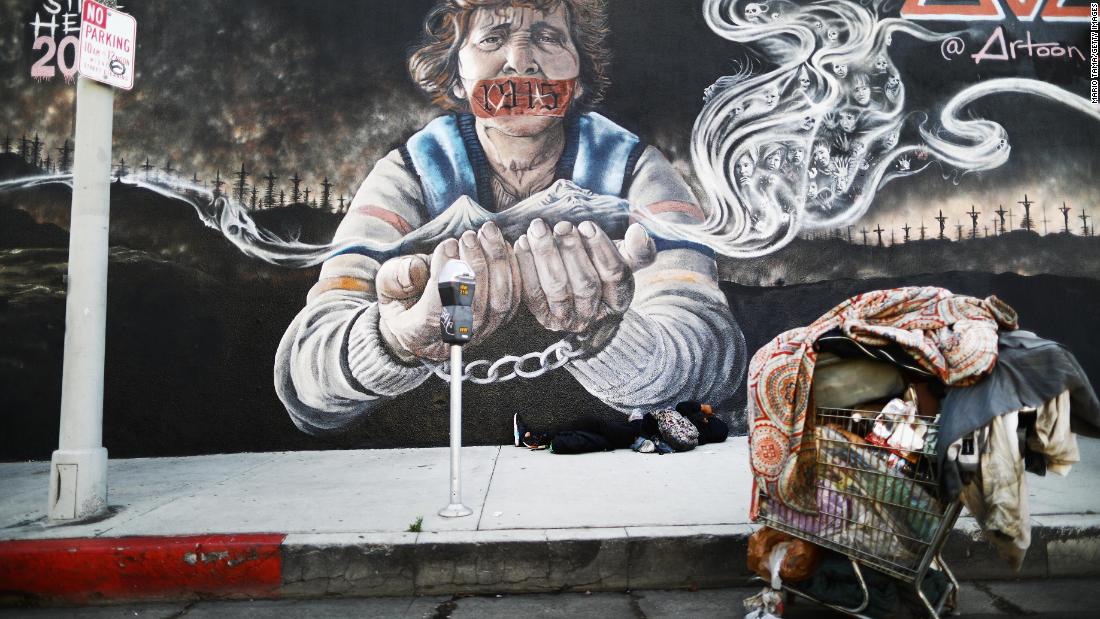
(522, 96)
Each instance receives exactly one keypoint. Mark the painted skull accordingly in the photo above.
(811, 189)
(808, 123)
(833, 35)
(881, 64)
(893, 82)
(804, 79)
(755, 11)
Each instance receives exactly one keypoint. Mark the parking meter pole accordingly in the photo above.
(456, 508)
(456, 327)
(78, 469)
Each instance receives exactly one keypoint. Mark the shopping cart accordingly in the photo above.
(877, 503)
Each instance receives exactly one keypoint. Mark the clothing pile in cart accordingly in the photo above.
(870, 425)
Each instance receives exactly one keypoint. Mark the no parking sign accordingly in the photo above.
(107, 45)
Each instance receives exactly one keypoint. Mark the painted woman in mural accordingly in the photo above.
(523, 181)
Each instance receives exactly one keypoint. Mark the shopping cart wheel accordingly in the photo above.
(853, 611)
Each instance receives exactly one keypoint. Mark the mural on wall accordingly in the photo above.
(635, 225)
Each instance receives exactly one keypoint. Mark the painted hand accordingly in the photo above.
(575, 276)
(408, 294)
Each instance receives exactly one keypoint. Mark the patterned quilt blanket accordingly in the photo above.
(952, 336)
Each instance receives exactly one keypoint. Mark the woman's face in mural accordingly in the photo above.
(511, 42)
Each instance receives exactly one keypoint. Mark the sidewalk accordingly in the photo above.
(301, 524)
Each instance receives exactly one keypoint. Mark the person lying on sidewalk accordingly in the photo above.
(641, 432)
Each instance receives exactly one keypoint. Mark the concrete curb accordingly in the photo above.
(447, 563)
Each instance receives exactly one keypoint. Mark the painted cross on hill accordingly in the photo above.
(66, 161)
(923, 229)
(906, 228)
(864, 233)
(974, 212)
(943, 224)
(878, 230)
(326, 194)
(1001, 213)
(241, 187)
(1026, 224)
(147, 167)
(958, 230)
(269, 193)
(1084, 217)
(1065, 217)
(218, 182)
(295, 191)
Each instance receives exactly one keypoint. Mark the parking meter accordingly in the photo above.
(456, 292)
(456, 327)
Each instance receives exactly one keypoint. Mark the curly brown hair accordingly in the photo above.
(434, 63)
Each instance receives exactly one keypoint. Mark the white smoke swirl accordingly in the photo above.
(807, 143)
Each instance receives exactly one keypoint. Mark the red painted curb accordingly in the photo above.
(77, 570)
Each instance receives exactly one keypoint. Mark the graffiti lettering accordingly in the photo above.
(51, 21)
(992, 10)
(996, 48)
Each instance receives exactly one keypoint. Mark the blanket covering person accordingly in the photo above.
(952, 336)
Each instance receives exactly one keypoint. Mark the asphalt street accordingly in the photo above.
(1069, 598)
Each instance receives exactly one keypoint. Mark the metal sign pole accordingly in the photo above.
(78, 469)
(456, 508)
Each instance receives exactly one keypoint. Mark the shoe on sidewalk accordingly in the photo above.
(522, 437)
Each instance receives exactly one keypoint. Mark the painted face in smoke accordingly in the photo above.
(881, 64)
(771, 97)
(518, 69)
(840, 69)
(774, 160)
(848, 120)
(745, 169)
(821, 156)
(891, 140)
(798, 155)
(861, 93)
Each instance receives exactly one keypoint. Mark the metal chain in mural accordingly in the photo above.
(555, 356)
